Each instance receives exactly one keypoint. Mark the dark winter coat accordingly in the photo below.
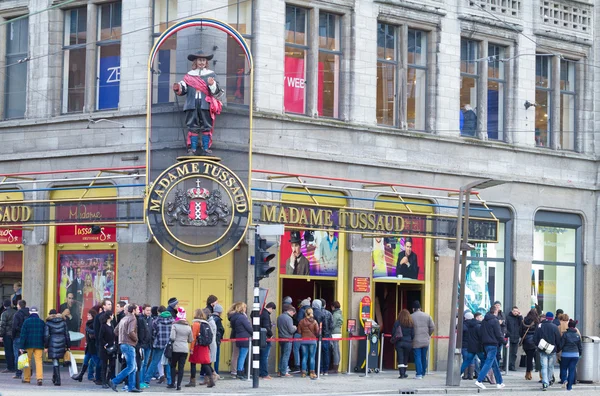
(549, 332)
(91, 347)
(470, 123)
(220, 328)
(241, 327)
(106, 338)
(528, 328)
(513, 327)
(491, 335)
(571, 342)
(265, 322)
(32, 333)
(172, 311)
(6, 322)
(97, 325)
(161, 330)
(473, 344)
(502, 317)
(18, 321)
(408, 333)
(56, 336)
(327, 323)
(144, 331)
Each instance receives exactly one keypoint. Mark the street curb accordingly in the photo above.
(458, 391)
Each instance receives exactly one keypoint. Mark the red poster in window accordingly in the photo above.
(83, 232)
(11, 262)
(320, 88)
(10, 236)
(293, 85)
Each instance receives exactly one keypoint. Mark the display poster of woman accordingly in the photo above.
(379, 264)
(88, 299)
(65, 284)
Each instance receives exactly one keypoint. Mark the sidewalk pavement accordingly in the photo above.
(383, 383)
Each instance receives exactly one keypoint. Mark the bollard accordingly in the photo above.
(349, 355)
(506, 358)
(367, 356)
(249, 356)
(319, 358)
(381, 342)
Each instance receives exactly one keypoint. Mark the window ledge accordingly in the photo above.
(430, 6)
(72, 117)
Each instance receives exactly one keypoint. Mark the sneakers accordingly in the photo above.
(544, 387)
(112, 385)
(480, 385)
(144, 385)
(419, 377)
(500, 386)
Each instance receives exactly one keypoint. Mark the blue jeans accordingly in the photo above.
(157, 354)
(264, 360)
(144, 367)
(325, 357)
(469, 358)
(421, 360)
(16, 344)
(286, 350)
(92, 361)
(129, 371)
(9, 353)
(308, 353)
(296, 351)
(490, 363)
(567, 370)
(547, 361)
(242, 360)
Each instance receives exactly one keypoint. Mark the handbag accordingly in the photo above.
(23, 361)
(111, 350)
(523, 338)
(169, 350)
(397, 335)
(67, 356)
(545, 346)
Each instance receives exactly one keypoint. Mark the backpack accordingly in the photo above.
(205, 335)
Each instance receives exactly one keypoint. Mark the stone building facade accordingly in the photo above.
(430, 93)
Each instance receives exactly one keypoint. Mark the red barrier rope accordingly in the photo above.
(435, 337)
(297, 339)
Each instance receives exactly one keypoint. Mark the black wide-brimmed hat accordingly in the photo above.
(295, 237)
(199, 54)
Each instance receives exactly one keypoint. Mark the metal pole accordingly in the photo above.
(507, 358)
(463, 270)
(349, 354)
(453, 379)
(319, 358)
(381, 342)
(367, 355)
(254, 342)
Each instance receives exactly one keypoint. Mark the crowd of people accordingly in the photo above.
(542, 338)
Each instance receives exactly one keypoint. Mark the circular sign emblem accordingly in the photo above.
(198, 210)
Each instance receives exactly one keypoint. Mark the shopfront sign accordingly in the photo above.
(198, 210)
(84, 213)
(370, 221)
(362, 284)
(14, 214)
(10, 236)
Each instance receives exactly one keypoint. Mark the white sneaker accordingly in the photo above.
(480, 385)
(500, 386)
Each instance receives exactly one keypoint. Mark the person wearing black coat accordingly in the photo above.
(491, 338)
(471, 346)
(570, 345)
(242, 328)
(91, 349)
(265, 323)
(548, 332)
(513, 331)
(99, 320)
(403, 344)
(56, 341)
(106, 339)
(528, 327)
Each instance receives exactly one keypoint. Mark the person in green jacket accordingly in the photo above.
(32, 342)
(338, 321)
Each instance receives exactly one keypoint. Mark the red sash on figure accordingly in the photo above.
(215, 105)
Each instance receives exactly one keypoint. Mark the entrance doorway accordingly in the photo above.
(390, 299)
(299, 289)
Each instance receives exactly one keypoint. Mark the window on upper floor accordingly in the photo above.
(296, 52)
(237, 90)
(495, 92)
(469, 85)
(566, 139)
(74, 50)
(109, 56)
(329, 64)
(17, 48)
(398, 105)
(165, 15)
(543, 100)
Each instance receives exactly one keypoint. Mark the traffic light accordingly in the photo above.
(262, 258)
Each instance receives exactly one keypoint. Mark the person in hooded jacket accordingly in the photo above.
(309, 328)
(105, 341)
(161, 330)
(528, 327)
(513, 330)
(326, 332)
(549, 332)
(181, 336)
(571, 349)
(56, 341)
(216, 315)
(20, 316)
(491, 338)
(6, 321)
(91, 350)
(209, 372)
(472, 343)
(200, 354)
(403, 345)
(144, 342)
(243, 329)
